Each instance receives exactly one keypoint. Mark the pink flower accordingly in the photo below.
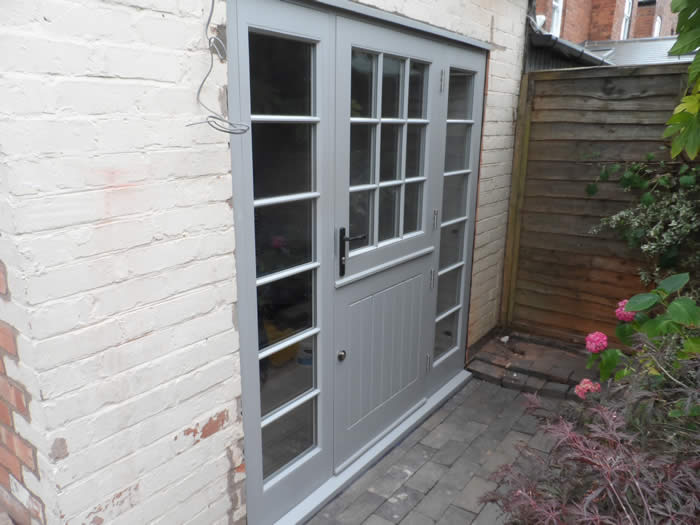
(621, 314)
(596, 342)
(585, 386)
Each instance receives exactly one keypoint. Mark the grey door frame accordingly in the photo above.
(315, 469)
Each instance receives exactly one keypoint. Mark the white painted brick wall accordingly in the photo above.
(501, 22)
(118, 237)
(119, 243)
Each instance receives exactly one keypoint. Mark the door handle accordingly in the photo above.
(342, 355)
(342, 250)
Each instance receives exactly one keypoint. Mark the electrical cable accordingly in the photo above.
(214, 119)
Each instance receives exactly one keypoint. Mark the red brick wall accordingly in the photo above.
(644, 21)
(606, 19)
(544, 7)
(668, 19)
(577, 20)
(16, 454)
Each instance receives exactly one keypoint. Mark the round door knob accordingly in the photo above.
(342, 355)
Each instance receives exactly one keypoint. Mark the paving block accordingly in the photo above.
(434, 504)
(460, 473)
(449, 452)
(533, 384)
(389, 483)
(552, 389)
(542, 441)
(435, 419)
(492, 462)
(514, 380)
(415, 458)
(513, 443)
(360, 509)
(486, 372)
(456, 516)
(491, 514)
(428, 475)
(399, 504)
(376, 520)
(527, 424)
(469, 498)
(416, 518)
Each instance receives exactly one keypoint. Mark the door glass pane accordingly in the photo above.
(414, 150)
(446, 332)
(390, 159)
(285, 308)
(362, 84)
(288, 437)
(280, 75)
(286, 375)
(457, 147)
(388, 213)
(412, 207)
(416, 89)
(391, 87)
(361, 153)
(459, 104)
(281, 159)
(361, 211)
(283, 236)
(451, 243)
(449, 285)
(454, 199)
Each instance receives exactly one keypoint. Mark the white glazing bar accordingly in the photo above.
(458, 172)
(389, 183)
(388, 120)
(362, 187)
(364, 120)
(286, 409)
(284, 119)
(416, 179)
(453, 221)
(270, 201)
(306, 334)
(405, 72)
(450, 268)
(286, 273)
(448, 313)
(377, 148)
(459, 121)
(417, 121)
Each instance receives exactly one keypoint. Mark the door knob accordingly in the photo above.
(342, 355)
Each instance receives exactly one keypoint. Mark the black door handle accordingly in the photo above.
(343, 239)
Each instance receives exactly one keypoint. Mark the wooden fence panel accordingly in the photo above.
(560, 280)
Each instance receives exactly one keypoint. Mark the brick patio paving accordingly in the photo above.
(437, 474)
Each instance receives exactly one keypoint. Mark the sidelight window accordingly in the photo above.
(283, 130)
(387, 148)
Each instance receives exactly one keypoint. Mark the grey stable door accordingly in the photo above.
(387, 174)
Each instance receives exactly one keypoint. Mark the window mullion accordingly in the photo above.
(377, 147)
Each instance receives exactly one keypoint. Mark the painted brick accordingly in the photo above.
(8, 338)
(18, 446)
(4, 290)
(10, 462)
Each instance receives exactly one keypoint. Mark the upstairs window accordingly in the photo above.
(626, 20)
(657, 27)
(557, 10)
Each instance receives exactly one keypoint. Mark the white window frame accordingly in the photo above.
(657, 27)
(557, 16)
(626, 20)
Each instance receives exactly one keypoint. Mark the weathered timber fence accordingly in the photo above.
(560, 280)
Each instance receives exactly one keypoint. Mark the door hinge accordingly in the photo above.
(432, 278)
(435, 219)
(442, 80)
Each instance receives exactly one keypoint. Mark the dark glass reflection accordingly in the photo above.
(459, 103)
(446, 334)
(361, 84)
(414, 150)
(280, 75)
(451, 242)
(389, 161)
(416, 87)
(281, 159)
(286, 375)
(412, 207)
(454, 199)
(388, 213)
(361, 141)
(391, 87)
(283, 236)
(449, 285)
(285, 308)
(361, 209)
(288, 437)
(457, 147)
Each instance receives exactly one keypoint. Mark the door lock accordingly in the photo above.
(342, 355)
(343, 239)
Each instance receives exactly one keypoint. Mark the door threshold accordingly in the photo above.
(322, 495)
